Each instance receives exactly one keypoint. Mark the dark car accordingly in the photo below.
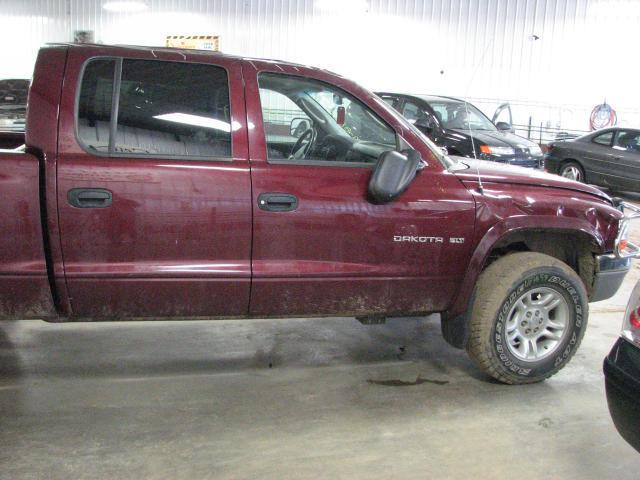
(464, 130)
(13, 110)
(609, 158)
(622, 375)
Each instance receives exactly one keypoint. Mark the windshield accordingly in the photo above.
(458, 115)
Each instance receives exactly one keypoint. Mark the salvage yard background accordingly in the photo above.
(551, 58)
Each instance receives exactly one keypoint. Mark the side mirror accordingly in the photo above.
(503, 126)
(426, 125)
(393, 173)
(298, 126)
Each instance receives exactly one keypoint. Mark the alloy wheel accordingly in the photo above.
(572, 172)
(536, 324)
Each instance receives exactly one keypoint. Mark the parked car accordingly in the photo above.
(464, 130)
(159, 183)
(13, 108)
(622, 374)
(608, 158)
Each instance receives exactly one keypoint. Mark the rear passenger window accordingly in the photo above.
(94, 107)
(165, 109)
(173, 109)
(604, 139)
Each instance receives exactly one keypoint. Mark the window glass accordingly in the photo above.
(282, 120)
(604, 139)
(94, 106)
(628, 140)
(459, 115)
(173, 109)
(310, 120)
(441, 112)
(411, 112)
(390, 101)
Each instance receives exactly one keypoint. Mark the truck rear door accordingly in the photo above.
(154, 193)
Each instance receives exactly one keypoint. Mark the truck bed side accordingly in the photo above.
(24, 285)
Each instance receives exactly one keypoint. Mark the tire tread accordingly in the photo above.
(491, 290)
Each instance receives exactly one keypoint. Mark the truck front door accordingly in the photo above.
(319, 245)
(154, 194)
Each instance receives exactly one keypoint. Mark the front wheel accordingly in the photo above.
(528, 316)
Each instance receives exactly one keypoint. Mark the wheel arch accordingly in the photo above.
(570, 240)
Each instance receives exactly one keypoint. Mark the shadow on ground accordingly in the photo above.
(162, 348)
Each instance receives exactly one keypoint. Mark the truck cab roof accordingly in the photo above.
(187, 54)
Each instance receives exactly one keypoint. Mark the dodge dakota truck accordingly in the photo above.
(162, 183)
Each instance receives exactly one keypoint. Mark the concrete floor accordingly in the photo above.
(300, 398)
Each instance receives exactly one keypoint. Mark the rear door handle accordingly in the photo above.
(277, 202)
(89, 197)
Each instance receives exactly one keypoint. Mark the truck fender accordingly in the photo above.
(454, 320)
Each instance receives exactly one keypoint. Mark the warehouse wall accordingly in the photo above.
(586, 50)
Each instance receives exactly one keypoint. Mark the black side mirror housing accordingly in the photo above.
(503, 126)
(393, 173)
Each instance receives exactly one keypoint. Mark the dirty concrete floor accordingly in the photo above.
(296, 398)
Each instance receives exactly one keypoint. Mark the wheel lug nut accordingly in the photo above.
(527, 331)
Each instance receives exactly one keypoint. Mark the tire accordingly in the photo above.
(506, 295)
(572, 171)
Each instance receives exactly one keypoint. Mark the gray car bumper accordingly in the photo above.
(610, 272)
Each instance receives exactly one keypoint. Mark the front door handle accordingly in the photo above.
(277, 202)
(89, 197)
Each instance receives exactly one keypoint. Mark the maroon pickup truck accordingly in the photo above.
(161, 183)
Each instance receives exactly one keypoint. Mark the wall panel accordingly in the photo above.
(484, 48)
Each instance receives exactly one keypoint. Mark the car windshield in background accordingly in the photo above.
(460, 116)
(439, 153)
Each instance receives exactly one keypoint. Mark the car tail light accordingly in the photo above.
(631, 324)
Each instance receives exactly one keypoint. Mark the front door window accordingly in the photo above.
(628, 140)
(308, 120)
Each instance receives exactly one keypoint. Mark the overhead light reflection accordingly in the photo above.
(122, 6)
(195, 120)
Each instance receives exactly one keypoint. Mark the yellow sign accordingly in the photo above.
(194, 42)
